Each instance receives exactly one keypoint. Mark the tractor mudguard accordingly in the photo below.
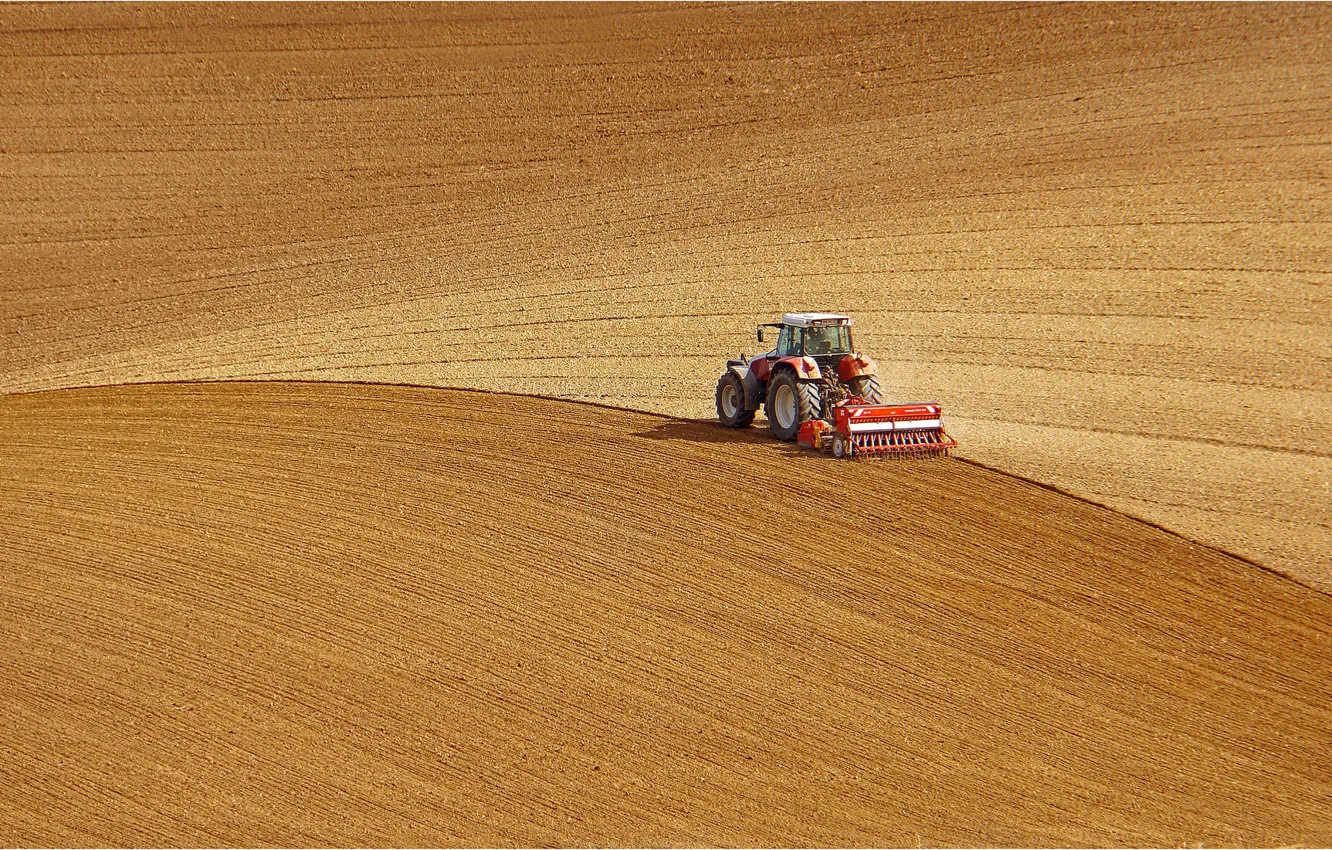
(855, 365)
(806, 368)
(754, 389)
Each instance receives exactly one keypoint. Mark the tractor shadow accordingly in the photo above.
(712, 431)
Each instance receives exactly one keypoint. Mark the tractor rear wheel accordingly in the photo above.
(791, 402)
(867, 387)
(731, 402)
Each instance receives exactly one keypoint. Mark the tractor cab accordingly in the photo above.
(824, 336)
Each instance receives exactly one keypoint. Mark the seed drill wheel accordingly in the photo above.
(731, 402)
(841, 447)
(790, 402)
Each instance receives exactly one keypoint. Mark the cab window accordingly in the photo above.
(784, 340)
(828, 340)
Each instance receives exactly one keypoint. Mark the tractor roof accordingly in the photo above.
(805, 320)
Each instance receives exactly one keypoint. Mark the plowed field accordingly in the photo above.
(1098, 234)
(321, 613)
(337, 613)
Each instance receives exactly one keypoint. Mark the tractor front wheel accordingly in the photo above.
(790, 402)
(731, 402)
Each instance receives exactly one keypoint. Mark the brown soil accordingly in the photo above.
(317, 613)
(1098, 234)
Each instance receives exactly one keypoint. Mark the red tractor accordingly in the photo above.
(818, 390)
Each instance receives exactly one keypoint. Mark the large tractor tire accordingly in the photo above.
(791, 402)
(867, 387)
(731, 402)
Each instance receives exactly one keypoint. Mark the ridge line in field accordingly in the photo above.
(666, 416)
(1191, 541)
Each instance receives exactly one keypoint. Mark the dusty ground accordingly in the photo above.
(1099, 234)
(303, 614)
(311, 614)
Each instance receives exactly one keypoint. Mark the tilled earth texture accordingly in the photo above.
(314, 611)
(329, 613)
(1100, 235)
